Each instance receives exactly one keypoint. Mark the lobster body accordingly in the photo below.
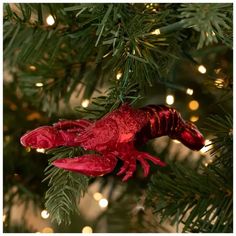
(116, 135)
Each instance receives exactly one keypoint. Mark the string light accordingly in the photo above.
(189, 91)
(206, 164)
(103, 203)
(202, 69)
(50, 20)
(118, 75)
(207, 146)
(176, 141)
(42, 150)
(170, 99)
(32, 68)
(193, 105)
(39, 84)
(44, 214)
(97, 196)
(156, 32)
(47, 230)
(194, 118)
(27, 149)
(219, 83)
(85, 103)
(87, 230)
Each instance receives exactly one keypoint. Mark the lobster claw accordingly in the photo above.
(42, 137)
(89, 164)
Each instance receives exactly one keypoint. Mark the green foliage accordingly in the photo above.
(114, 97)
(212, 20)
(65, 187)
(203, 202)
(222, 127)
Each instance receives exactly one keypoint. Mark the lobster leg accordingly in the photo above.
(89, 164)
(130, 163)
(153, 159)
(123, 168)
(145, 166)
(130, 170)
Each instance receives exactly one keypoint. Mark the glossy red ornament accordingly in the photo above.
(116, 135)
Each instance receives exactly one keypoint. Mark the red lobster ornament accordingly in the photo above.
(116, 135)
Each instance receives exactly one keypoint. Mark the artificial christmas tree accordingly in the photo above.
(75, 61)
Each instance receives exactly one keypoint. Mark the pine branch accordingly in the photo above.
(222, 128)
(211, 20)
(65, 187)
(203, 202)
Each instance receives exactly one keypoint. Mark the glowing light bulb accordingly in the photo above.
(4, 218)
(194, 118)
(87, 230)
(103, 203)
(97, 196)
(189, 91)
(32, 68)
(50, 20)
(170, 99)
(207, 146)
(193, 105)
(42, 150)
(202, 69)
(219, 83)
(44, 214)
(47, 230)
(118, 75)
(176, 141)
(156, 32)
(27, 149)
(39, 84)
(85, 103)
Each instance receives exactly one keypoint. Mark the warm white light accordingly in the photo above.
(202, 69)
(219, 83)
(170, 99)
(207, 146)
(44, 214)
(39, 84)
(87, 230)
(27, 149)
(32, 68)
(118, 75)
(103, 203)
(85, 103)
(42, 150)
(50, 20)
(97, 196)
(4, 218)
(156, 32)
(47, 230)
(193, 105)
(176, 141)
(194, 118)
(189, 91)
